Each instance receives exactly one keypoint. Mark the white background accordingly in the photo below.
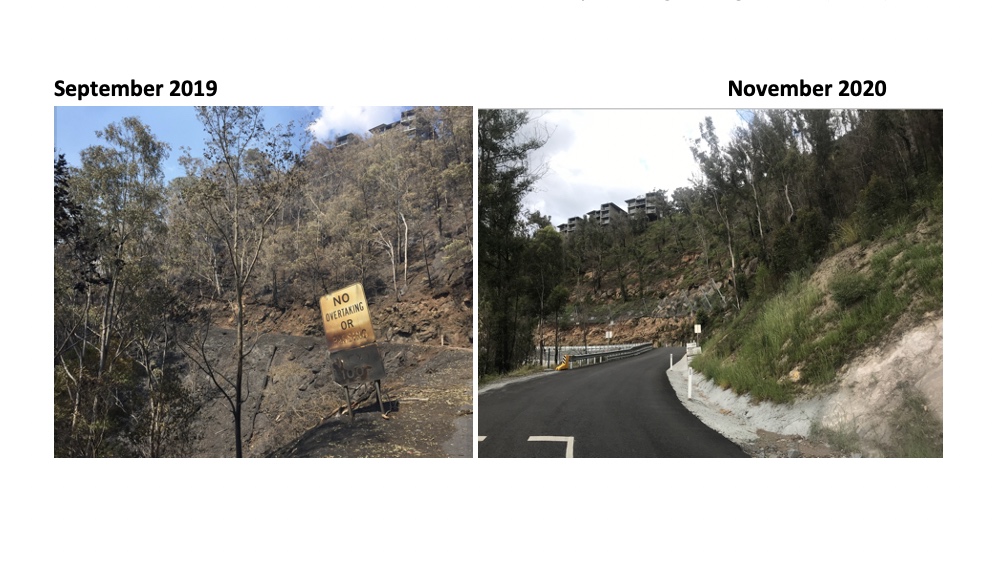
(544, 53)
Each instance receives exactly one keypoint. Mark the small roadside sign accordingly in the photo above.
(696, 328)
(346, 319)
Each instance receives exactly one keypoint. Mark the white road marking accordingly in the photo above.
(481, 438)
(569, 442)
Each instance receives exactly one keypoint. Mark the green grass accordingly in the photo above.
(923, 265)
(851, 287)
(847, 440)
(917, 433)
(755, 350)
(898, 229)
(851, 330)
(847, 233)
(767, 344)
(521, 372)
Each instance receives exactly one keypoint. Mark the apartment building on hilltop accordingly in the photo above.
(650, 205)
(571, 225)
(344, 140)
(608, 211)
(407, 122)
(601, 216)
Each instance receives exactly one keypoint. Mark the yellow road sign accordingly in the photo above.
(346, 319)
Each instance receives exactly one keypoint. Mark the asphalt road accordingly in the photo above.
(620, 409)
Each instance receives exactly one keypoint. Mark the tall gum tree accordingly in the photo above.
(105, 266)
(237, 190)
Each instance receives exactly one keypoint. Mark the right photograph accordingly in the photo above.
(710, 283)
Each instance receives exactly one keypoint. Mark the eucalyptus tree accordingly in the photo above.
(234, 194)
(721, 185)
(590, 247)
(106, 264)
(546, 256)
(393, 174)
(446, 165)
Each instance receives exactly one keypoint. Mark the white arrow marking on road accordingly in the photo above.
(569, 442)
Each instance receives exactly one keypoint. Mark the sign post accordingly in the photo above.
(351, 341)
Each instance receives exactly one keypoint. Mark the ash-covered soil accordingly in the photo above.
(294, 409)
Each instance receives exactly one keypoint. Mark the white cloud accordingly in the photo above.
(599, 156)
(339, 120)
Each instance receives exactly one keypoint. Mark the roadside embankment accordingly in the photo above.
(886, 402)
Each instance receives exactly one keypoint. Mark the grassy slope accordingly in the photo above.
(781, 345)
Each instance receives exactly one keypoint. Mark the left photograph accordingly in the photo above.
(263, 282)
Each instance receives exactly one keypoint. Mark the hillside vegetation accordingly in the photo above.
(779, 346)
(260, 225)
(807, 238)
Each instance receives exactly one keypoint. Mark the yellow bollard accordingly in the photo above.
(564, 364)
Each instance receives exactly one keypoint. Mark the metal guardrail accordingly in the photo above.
(575, 361)
(552, 356)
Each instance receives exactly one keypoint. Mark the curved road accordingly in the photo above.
(624, 408)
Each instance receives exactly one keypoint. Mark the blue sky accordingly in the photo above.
(76, 127)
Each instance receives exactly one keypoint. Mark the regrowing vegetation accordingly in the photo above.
(807, 237)
(264, 217)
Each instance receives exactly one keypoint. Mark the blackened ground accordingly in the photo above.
(296, 410)
(429, 411)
